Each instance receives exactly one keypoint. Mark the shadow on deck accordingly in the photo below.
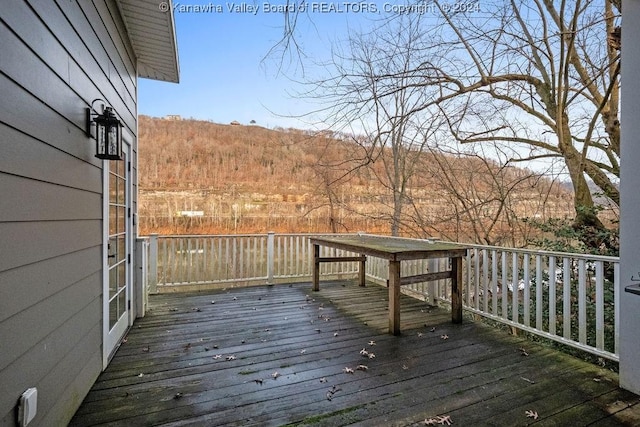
(278, 355)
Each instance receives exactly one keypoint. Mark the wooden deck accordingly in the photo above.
(278, 355)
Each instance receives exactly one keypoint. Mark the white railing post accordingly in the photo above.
(270, 256)
(153, 263)
(141, 278)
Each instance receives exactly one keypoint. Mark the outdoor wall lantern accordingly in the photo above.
(108, 131)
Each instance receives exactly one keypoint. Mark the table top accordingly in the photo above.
(392, 248)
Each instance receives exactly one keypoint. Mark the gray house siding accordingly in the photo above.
(55, 58)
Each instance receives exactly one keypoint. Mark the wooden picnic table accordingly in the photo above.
(396, 250)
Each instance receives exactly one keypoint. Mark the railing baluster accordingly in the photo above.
(270, 257)
(539, 290)
(485, 280)
(582, 302)
(599, 305)
(552, 294)
(219, 258)
(476, 280)
(153, 263)
(494, 282)
(566, 298)
(515, 315)
(468, 283)
(526, 267)
(227, 258)
(505, 286)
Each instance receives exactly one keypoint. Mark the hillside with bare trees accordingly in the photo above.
(201, 177)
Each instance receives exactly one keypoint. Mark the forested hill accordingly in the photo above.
(204, 177)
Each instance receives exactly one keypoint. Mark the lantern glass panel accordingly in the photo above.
(101, 139)
(114, 140)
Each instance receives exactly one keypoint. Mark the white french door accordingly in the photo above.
(117, 267)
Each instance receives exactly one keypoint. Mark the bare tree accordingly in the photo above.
(539, 75)
(483, 200)
(373, 91)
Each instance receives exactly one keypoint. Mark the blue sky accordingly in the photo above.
(224, 75)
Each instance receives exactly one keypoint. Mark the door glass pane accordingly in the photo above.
(122, 307)
(113, 313)
(113, 283)
(122, 274)
(113, 188)
(121, 191)
(122, 212)
(122, 241)
(112, 249)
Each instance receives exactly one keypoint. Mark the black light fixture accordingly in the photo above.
(108, 131)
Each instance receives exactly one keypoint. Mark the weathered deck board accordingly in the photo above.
(167, 372)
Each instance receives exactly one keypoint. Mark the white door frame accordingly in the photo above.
(111, 337)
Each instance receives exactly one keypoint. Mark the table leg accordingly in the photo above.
(394, 297)
(362, 274)
(456, 290)
(315, 280)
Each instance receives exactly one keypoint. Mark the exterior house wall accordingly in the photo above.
(630, 198)
(56, 56)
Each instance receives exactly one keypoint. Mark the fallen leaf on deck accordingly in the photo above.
(523, 352)
(332, 391)
(531, 414)
(362, 368)
(372, 342)
(364, 352)
(232, 357)
(323, 380)
(347, 370)
(177, 395)
(444, 337)
(372, 356)
(440, 419)
(217, 356)
(258, 381)
(275, 375)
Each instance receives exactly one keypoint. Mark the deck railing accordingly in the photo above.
(568, 298)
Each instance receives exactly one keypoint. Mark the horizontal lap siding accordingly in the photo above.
(57, 56)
